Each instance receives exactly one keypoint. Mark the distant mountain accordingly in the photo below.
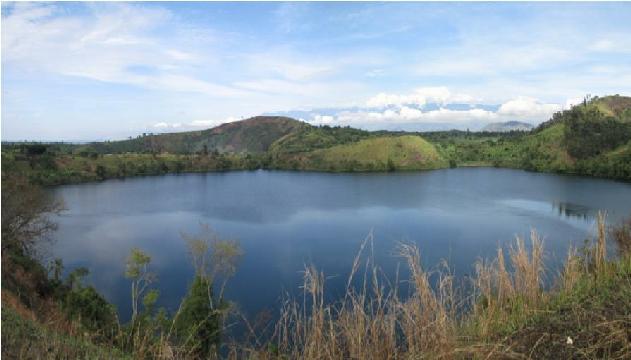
(507, 126)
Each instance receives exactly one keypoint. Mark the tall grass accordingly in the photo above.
(437, 319)
(508, 308)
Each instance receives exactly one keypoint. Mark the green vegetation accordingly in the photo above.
(254, 135)
(23, 338)
(593, 138)
(383, 153)
(44, 315)
(508, 310)
(41, 312)
(53, 168)
(310, 138)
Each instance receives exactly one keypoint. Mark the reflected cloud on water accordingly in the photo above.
(285, 220)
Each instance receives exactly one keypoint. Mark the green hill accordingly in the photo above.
(308, 138)
(379, 153)
(592, 138)
(253, 135)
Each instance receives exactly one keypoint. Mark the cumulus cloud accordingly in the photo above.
(526, 107)
(411, 115)
(419, 96)
(446, 108)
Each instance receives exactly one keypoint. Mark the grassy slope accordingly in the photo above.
(546, 149)
(381, 153)
(595, 313)
(309, 138)
(614, 104)
(24, 338)
(252, 135)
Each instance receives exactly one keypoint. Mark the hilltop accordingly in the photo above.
(253, 135)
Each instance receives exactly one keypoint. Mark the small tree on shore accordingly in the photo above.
(26, 210)
(138, 272)
(198, 323)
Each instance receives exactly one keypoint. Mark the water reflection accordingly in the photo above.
(285, 220)
(576, 211)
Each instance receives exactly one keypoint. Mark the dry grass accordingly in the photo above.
(507, 313)
(375, 322)
(621, 233)
(372, 321)
(434, 321)
(586, 316)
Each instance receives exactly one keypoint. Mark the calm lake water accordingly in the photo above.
(284, 220)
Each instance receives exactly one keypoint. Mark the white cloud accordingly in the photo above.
(572, 101)
(407, 115)
(419, 96)
(611, 43)
(166, 125)
(200, 71)
(602, 45)
(526, 107)
(407, 109)
(105, 45)
(323, 119)
(488, 60)
(180, 55)
(211, 123)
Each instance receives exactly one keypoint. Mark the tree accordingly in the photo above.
(198, 323)
(588, 132)
(137, 271)
(213, 258)
(75, 278)
(26, 211)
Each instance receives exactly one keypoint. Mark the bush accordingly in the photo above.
(197, 324)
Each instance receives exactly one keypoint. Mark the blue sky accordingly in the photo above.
(86, 71)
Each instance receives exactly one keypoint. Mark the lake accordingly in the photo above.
(284, 220)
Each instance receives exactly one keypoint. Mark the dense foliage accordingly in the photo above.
(589, 132)
(197, 325)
